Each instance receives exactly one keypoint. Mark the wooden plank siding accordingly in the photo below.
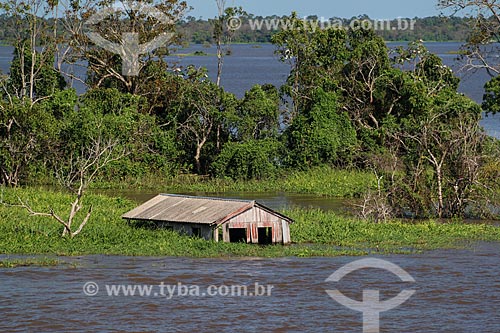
(256, 218)
(205, 217)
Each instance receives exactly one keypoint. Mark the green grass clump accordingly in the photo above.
(316, 226)
(40, 262)
(315, 233)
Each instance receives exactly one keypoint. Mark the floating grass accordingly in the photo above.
(39, 262)
(321, 181)
(316, 226)
(314, 233)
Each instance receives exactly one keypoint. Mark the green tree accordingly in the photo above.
(316, 58)
(433, 139)
(29, 134)
(112, 116)
(32, 72)
(202, 109)
(258, 114)
(491, 98)
(441, 152)
(37, 80)
(323, 135)
(251, 159)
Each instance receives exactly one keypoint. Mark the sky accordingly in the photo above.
(377, 9)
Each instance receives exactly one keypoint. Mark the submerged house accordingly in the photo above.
(225, 220)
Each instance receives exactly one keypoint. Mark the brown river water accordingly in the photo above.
(455, 291)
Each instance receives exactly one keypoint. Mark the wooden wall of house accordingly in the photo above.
(200, 230)
(250, 221)
(254, 219)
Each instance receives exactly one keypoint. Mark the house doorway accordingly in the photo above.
(238, 235)
(265, 236)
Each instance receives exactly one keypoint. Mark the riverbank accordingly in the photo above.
(314, 233)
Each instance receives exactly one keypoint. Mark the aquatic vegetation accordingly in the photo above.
(40, 262)
(314, 233)
(316, 226)
(321, 181)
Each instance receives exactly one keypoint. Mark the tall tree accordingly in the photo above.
(224, 26)
(139, 33)
(482, 46)
(202, 109)
(218, 36)
(258, 114)
(32, 72)
(436, 145)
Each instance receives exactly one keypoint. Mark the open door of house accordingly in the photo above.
(238, 235)
(265, 236)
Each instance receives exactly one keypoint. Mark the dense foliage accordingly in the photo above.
(349, 102)
(420, 136)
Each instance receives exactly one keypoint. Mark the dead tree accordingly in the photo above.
(481, 49)
(76, 175)
(218, 32)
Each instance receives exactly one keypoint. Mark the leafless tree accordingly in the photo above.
(225, 25)
(218, 35)
(76, 174)
(481, 53)
(376, 204)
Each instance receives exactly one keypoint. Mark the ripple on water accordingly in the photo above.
(455, 291)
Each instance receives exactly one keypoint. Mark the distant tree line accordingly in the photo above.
(436, 28)
(200, 31)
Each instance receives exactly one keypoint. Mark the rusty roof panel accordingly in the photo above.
(179, 208)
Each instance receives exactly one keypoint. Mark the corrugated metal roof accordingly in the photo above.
(189, 209)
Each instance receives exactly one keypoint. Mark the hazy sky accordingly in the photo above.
(380, 9)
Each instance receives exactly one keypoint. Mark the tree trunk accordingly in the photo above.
(197, 158)
(219, 61)
(440, 190)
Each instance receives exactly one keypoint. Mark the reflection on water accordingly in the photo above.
(276, 201)
(456, 291)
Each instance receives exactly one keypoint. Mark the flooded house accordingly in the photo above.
(227, 220)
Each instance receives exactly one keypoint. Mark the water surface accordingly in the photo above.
(456, 291)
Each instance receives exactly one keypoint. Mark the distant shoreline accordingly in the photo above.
(258, 29)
